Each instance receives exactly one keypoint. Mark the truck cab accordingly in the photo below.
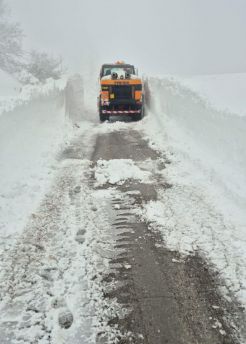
(121, 92)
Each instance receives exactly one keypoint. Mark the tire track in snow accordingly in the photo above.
(174, 299)
(87, 270)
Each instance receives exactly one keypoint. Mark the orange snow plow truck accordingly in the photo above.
(121, 92)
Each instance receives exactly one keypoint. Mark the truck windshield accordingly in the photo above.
(108, 70)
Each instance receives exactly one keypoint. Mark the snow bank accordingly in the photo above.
(31, 135)
(12, 97)
(214, 140)
(204, 210)
(225, 92)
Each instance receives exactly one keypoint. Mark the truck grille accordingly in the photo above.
(122, 91)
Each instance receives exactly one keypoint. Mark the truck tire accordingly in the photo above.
(139, 116)
(102, 116)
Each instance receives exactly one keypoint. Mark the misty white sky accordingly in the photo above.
(159, 36)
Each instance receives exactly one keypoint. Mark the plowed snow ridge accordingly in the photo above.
(204, 211)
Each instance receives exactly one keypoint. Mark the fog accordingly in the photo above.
(159, 36)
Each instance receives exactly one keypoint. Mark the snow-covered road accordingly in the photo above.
(85, 265)
(132, 241)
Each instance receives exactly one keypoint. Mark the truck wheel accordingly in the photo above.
(138, 117)
(103, 117)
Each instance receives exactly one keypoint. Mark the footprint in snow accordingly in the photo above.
(65, 319)
(80, 236)
(77, 189)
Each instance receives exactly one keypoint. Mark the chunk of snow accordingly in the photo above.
(127, 266)
(118, 171)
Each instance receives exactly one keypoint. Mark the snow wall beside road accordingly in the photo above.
(34, 126)
(214, 140)
(204, 210)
